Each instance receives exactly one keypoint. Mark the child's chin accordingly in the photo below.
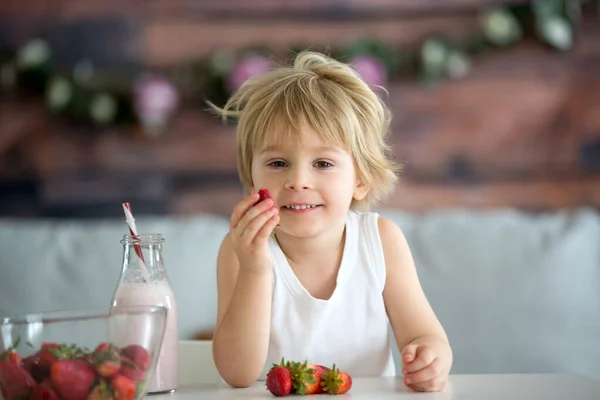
(298, 230)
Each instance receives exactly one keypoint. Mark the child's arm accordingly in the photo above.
(426, 352)
(244, 280)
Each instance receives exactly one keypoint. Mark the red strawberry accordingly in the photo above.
(100, 392)
(47, 358)
(318, 372)
(103, 347)
(72, 379)
(124, 388)
(263, 194)
(305, 379)
(32, 365)
(131, 370)
(15, 381)
(44, 391)
(336, 381)
(138, 355)
(11, 354)
(279, 381)
(107, 360)
(14, 357)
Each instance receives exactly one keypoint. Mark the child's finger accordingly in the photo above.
(424, 356)
(242, 208)
(409, 353)
(268, 227)
(433, 385)
(256, 225)
(430, 371)
(252, 213)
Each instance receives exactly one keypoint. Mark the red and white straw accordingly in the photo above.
(133, 232)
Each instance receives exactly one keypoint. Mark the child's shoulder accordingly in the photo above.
(386, 228)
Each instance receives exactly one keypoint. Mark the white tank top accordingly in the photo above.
(351, 328)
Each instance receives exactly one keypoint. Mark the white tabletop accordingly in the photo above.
(460, 387)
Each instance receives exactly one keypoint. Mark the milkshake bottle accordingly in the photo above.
(144, 281)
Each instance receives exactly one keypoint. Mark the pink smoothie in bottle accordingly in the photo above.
(159, 294)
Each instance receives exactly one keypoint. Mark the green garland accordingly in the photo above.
(98, 99)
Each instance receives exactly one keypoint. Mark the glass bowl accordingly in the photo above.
(98, 353)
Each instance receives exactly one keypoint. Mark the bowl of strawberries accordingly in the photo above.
(100, 353)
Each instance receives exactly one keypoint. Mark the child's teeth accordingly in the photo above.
(302, 207)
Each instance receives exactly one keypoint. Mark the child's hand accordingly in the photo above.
(250, 228)
(426, 366)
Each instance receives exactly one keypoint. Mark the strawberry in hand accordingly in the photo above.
(263, 194)
(252, 222)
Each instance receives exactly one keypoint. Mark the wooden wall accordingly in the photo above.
(521, 130)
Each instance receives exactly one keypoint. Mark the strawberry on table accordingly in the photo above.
(279, 380)
(306, 380)
(318, 373)
(336, 381)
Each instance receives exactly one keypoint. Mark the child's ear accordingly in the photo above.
(361, 191)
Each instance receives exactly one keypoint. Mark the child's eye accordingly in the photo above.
(323, 164)
(277, 164)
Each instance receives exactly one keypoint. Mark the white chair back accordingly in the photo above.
(196, 364)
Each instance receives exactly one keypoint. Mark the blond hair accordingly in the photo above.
(332, 98)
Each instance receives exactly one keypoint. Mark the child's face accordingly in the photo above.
(312, 182)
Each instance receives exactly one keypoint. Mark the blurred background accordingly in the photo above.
(496, 103)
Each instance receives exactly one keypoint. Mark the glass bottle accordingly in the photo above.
(144, 281)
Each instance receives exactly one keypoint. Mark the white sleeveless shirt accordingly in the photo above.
(351, 328)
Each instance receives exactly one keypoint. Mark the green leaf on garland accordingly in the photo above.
(434, 54)
(547, 8)
(34, 64)
(557, 31)
(222, 61)
(501, 27)
(457, 65)
(59, 94)
(103, 108)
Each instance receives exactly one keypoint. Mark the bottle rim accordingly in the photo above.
(143, 239)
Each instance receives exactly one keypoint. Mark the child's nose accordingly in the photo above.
(298, 179)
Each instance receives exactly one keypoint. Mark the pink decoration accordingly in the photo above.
(155, 98)
(248, 67)
(371, 69)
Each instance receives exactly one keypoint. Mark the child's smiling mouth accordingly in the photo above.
(300, 207)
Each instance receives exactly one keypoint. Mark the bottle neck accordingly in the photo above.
(142, 259)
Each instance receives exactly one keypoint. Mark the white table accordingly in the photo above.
(460, 387)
